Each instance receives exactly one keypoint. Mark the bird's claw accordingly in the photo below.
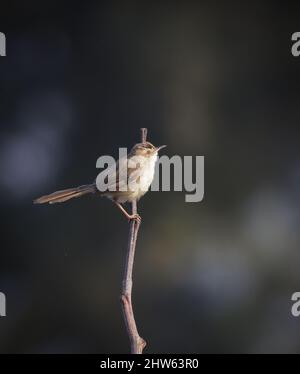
(136, 217)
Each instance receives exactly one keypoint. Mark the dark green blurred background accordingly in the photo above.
(206, 78)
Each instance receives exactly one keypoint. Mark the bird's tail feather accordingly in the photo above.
(64, 195)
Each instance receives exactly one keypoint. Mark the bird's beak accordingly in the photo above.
(160, 147)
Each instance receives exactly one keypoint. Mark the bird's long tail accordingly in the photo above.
(64, 195)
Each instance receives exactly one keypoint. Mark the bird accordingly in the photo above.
(125, 181)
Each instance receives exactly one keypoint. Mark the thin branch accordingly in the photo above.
(144, 132)
(137, 343)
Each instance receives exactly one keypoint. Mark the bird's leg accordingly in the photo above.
(130, 217)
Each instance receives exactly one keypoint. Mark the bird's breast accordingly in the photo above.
(147, 173)
(143, 176)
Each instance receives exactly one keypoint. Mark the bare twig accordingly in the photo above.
(144, 132)
(137, 344)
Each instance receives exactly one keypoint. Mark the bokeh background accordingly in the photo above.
(206, 78)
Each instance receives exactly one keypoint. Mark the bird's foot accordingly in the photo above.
(135, 217)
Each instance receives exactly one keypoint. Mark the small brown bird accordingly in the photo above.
(125, 181)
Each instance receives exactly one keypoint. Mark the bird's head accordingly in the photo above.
(146, 149)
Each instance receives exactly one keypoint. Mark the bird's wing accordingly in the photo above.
(118, 176)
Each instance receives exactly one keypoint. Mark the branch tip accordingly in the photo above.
(144, 132)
